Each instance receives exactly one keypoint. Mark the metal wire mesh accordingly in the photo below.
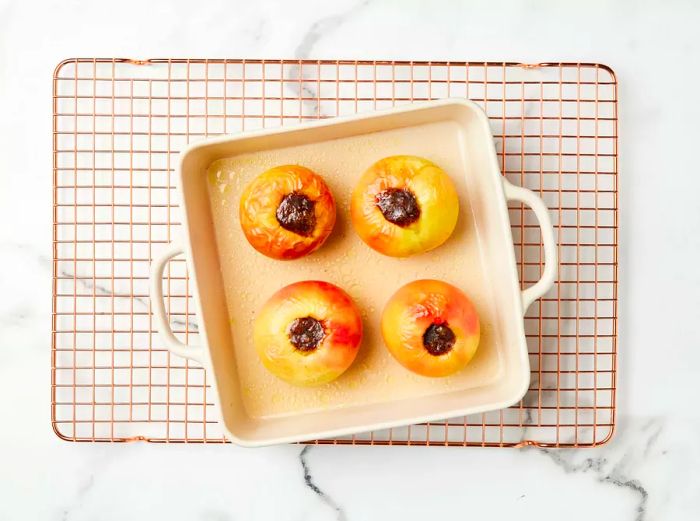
(118, 127)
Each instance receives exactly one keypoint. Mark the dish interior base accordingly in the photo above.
(369, 277)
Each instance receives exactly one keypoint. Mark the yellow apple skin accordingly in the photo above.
(342, 333)
(434, 192)
(413, 309)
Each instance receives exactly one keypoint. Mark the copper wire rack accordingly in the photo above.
(118, 127)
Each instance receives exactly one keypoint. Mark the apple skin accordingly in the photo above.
(342, 327)
(436, 197)
(262, 197)
(413, 309)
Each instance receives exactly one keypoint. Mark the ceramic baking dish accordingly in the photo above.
(231, 281)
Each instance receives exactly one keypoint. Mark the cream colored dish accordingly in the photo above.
(231, 281)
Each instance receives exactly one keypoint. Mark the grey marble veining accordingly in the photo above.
(340, 515)
(325, 25)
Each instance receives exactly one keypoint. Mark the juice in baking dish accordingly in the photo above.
(369, 277)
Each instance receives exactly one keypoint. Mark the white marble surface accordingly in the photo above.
(650, 471)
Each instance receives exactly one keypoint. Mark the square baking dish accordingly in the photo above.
(231, 280)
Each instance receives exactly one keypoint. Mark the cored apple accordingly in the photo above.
(404, 205)
(287, 212)
(308, 333)
(431, 327)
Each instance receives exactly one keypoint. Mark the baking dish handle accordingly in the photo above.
(158, 305)
(517, 193)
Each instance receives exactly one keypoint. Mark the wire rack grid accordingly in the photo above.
(118, 126)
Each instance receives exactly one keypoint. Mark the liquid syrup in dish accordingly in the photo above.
(370, 278)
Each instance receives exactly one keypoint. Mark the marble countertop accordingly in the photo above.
(649, 471)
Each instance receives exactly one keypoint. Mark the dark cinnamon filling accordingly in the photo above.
(438, 339)
(296, 214)
(306, 333)
(399, 206)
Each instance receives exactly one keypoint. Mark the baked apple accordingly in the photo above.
(431, 327)
(404, 205)
(287, 212)
(308, 333)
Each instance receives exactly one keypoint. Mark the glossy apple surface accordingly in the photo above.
(431, 328)
(287, 212)
(404, 205)
(308, 333)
